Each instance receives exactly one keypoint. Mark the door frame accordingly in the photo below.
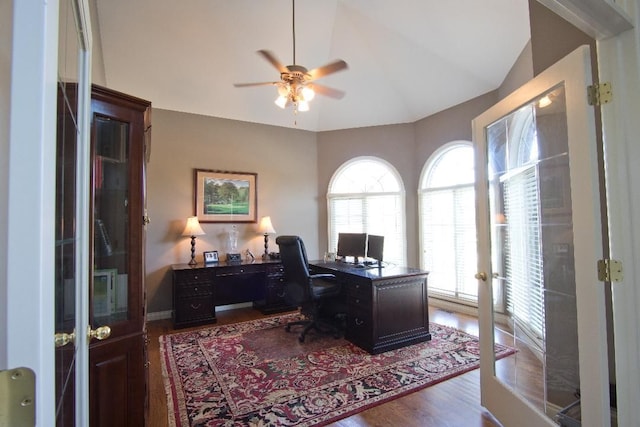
(31, 197)
(617, 63)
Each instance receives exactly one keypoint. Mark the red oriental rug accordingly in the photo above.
(254, 373)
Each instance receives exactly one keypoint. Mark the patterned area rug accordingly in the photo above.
(256, 374)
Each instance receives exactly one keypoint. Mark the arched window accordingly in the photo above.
(447, 222)
(366, 195)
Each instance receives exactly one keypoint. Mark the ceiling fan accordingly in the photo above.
(297, 85)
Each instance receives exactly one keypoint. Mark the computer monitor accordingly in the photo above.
(375, 247)
(352, 244)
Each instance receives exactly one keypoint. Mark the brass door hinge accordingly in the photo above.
(599, 93)
(17, 397)
(609, 270)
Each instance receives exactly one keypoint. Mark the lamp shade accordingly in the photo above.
(265, 226)
(193, 227)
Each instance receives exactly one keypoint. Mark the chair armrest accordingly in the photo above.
(322, 276)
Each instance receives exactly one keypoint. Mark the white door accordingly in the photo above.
(539, 238)
(71, 214)
(41, 302)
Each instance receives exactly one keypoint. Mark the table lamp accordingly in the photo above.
(266, 228)
(193, 229)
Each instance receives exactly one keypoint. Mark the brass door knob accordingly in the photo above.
(62, 338)
(481, 276)
(100, 333)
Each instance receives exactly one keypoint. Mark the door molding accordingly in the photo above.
(598, 18)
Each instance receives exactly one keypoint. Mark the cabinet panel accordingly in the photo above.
(118, 392)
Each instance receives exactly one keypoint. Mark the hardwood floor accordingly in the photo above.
(452, 403)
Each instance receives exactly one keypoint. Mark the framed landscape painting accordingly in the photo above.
(223, 196)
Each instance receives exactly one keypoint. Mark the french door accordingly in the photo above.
(71, 215)
(539, 239)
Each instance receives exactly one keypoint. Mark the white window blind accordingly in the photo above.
(365, 197)
(523, 257)
(447, 224)
(449, 240)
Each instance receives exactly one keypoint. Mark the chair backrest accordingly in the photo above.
(296, 268)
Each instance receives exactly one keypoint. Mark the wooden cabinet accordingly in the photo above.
(193, 300)
(118, 364)
(198, 290)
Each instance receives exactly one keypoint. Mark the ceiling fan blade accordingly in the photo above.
(255, 84)
(333, 67)
(327, 91)
(273, 60)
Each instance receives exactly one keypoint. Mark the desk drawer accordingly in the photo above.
(239, 270)
(275, 270)
(191, 277)
(186, 290)
(188, 310)
(360, 291)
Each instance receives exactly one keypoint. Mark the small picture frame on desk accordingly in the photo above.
(210, 257)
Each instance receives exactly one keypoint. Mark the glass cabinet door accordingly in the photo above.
(111, 252)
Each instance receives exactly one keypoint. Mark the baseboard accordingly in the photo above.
(160, 315)
(453, 306)
(469, 310)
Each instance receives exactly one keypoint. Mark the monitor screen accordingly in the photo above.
(375, 247)
(352, 244)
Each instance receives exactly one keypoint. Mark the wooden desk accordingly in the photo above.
(387, 307)
(198, 290)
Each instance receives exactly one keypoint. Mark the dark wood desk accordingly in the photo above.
(387, 307)
(198, 290)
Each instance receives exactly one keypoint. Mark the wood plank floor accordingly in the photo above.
(452, 403)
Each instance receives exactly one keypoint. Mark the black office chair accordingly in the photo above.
(315, 294)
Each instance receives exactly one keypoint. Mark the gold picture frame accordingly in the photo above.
(225, 196)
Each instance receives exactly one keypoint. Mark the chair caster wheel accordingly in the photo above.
(301, 338)
(287, 328)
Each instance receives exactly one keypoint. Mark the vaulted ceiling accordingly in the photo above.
(407, 59)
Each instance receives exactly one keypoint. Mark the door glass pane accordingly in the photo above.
(532, 253)
(65, 213)
(110, 300)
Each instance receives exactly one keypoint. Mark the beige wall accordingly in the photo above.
(284, 159)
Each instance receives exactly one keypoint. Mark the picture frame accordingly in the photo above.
(225, 196)
(210, 257)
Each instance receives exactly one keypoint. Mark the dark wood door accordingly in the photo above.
(117, 363)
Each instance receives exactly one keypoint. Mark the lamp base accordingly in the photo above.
(193, 251)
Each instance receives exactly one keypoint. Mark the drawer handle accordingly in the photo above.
(195, 289)
(242, 270)
(195, 277)
(281, 295)
(358, 322)
(195, 306)
(357, 301)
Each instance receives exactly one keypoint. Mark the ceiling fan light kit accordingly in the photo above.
(295, 87)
